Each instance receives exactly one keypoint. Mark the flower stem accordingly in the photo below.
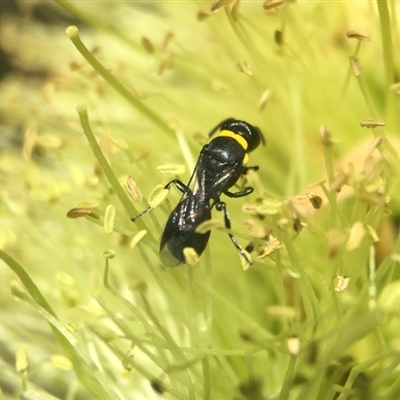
(105, 166)
(73, 33)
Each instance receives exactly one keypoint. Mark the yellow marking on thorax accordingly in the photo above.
(235, 136)
(239, 139)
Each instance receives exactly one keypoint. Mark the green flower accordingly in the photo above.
(95, 123)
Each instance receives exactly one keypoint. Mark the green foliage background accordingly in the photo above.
(85, 314)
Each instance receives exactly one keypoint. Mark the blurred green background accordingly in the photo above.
(296, 69)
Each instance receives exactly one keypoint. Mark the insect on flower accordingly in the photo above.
(221, 163)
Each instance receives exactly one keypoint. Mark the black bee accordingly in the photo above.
(221, 163)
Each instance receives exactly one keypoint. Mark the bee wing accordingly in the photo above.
(196, 179)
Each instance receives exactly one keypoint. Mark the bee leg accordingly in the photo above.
(253, 168)
(181, 186)
(241, 193)
(221, 206)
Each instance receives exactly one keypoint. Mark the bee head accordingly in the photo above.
(251, 134)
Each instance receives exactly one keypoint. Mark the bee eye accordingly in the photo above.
(255, 138)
